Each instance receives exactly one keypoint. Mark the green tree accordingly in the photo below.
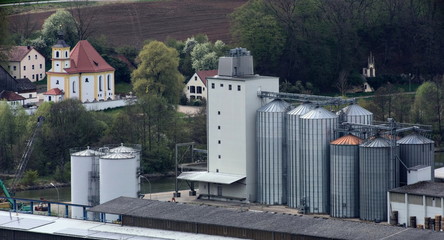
(157, 73)
(61, 21)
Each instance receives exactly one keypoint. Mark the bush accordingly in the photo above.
(30, 177)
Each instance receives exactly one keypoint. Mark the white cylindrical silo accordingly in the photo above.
(118, 177)
(134, 149)
(84, 180)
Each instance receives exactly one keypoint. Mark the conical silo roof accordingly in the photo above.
(347, 140)
(276, 105)
(302, 109)
(117, 156)
(319, 113)
(87, 153)
(415, 139)
(377, 142)
(356, 110)
(123, 149)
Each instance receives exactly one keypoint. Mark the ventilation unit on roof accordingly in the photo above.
(96, 63)
(238, 63)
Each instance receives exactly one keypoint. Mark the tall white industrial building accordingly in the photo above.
(231, 110)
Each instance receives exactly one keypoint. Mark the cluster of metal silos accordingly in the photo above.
(102, 174)
(346, 177)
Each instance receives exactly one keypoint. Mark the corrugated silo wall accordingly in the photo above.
(414, 155)
(293, 160)
(377, 174)
(316, 135)
(272, 171)
(344, 184)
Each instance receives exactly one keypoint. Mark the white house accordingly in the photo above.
(81, 73)
(53, 95)
(26, 62)
(196, 87)
(12, 98)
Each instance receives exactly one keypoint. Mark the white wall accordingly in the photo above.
(87, 88)
(195, 81)
(60, 85)
(74, 87)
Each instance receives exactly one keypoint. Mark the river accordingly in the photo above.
(165, 184)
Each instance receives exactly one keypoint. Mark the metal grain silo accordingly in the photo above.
(378, 173)
(357, 114)
(317, 130)
(416, 150)
(270, 126)
(344, 177)
(118, 177)
(84, 180)
(134, 149)
(293, 154)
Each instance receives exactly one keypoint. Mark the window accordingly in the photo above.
(66, 54)
(195, 78)
(9, 67)
(57, 64)
(24, 67)
(40, 66)
(218, 127)
(57, 54)
(73, 87)
(221, 85)
(57, 82)
(49, 98)
(212, 85)
(33, 77)
(30, 96)
(15, 76)
(192, 89)
(15, 68)
(32, 67)
(192, 97)
(29, 57)
(218, 142)
(108, 81)
(229, 87)
(199, 89)
(203, 89)
(218, 112)
(188, 87)
(219, 156)
(35, 56)
(238, 87)
(100, 83)
(86, 80)
(41, 76)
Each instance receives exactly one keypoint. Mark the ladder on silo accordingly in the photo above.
(26, 154)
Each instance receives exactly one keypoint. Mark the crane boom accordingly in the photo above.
(26, 154)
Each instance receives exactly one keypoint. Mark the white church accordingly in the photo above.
(80, 73)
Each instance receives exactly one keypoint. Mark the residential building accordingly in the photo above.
(80, 73)
(53, 95)
(26, 62)
(196, 87)
(12, 98)
(23, 87)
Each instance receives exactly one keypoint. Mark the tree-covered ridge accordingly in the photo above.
(317, 42)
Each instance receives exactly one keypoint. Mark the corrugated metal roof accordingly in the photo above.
(356, 110)
(118, 156)
(123, 149)
(319, 113)
(428, 188)
(347, 140)
(302, 225)
(302, 109)
(276, 105)
(415, 138)
(377, 142)
(211, 177)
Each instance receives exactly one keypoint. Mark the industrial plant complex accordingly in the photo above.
(324, 157)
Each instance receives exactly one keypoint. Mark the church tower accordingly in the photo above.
(370, 70)
(59, 61)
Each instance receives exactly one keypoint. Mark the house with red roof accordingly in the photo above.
(196, 87)
(53, 95)
(25, 62)
(12, 98)
(80, 73)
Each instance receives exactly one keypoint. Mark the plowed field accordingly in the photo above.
(134, 22)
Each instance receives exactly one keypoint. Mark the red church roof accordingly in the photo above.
(204, 74)
(54, 91)
(85, 59)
